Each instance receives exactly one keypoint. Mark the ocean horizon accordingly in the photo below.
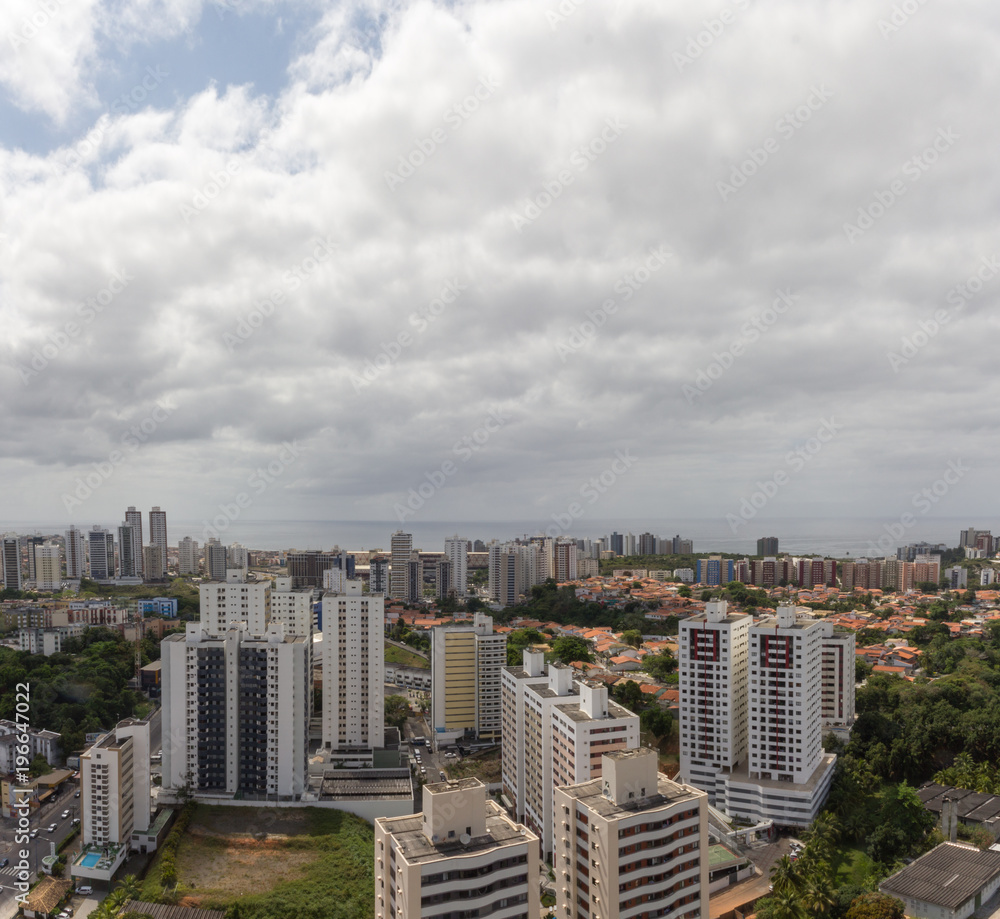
(836, 537)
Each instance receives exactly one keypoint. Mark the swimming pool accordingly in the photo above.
(90, 859)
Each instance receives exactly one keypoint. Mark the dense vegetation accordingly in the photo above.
(82, 689)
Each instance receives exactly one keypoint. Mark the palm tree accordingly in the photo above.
(817, 895)
(786, 905)
(785, 876)
(130, 884)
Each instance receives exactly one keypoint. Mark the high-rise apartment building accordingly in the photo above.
(115, 785)
(48, 567)
(101, 553)
(714, 571)
(306, 567)
(837, 680)
(617, 543)
(187, 556)
(443, 587)
(216, 560)
(713, 666)
(565, 561)
(631, 843)
(378, 576)
(513, 570)
(767, 545)
(75, 554)
(292, 607)
(236, 713)
(681, 546)
(555, 729)
(461, 857)
(129, 552)
(12, 563)
(788, 775)
(227, 604)
(646, 544)
(401, 546)
(29, 543)
(353, 670)
(154, 563)
(466, 662)
(133, 518)
(158, 537)
(457, 551)
(815, 572)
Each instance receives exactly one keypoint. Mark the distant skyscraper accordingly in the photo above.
(442, 580)
(74, 554)
(401, 546)
(101, 546)
(158, 537)
(12, 563)
(216, 560)
(457, 552)
(617, 543)
(378, 576)
(565, 556)
(48, 567)
(767, 545)
(30, 542)
(129, 552)
(187, 556)
(647, 544)
(133, 518)
(682, 546)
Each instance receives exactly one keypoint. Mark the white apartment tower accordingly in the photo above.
(227, 604)
(48, 567)
(838, 678)
(236, 713)
(788, 776)
(462, 856)
(466, 661)
(554, 730)
(75, 554)
(187, 556)
(292, 607)
(401, 546)
(12, 563)
(115, 785)
(713, 665)
(631, 844)
(353, 670)
(457, 552)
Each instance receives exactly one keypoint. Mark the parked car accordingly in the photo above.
(75, 821)
(85, 891)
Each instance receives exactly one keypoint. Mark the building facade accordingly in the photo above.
(461, 857)
(631, 844)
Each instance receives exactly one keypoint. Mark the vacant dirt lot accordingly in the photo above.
(238, 851)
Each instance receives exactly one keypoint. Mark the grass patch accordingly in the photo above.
(404, 658)
(271, 863)
(852, 866)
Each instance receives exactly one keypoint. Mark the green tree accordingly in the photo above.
(397, 710)
(630, 695)
(569, 648)
(876, 906)
(39, 766)
(632, 637)
(657, 720)
(660, 666)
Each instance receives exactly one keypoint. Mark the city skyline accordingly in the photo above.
(423, 261)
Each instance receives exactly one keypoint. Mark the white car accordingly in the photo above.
(85, 891)
(65, 814)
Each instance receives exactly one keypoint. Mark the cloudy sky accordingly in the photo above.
(334, 257)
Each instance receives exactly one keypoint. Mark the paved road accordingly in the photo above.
(43, 844)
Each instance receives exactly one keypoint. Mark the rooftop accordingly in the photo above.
(366, 784)
(591, 794)
(948, 876)
(408, 832)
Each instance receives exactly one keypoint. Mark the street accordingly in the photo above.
(43, 844)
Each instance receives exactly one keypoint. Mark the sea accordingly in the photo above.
(837, 537)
